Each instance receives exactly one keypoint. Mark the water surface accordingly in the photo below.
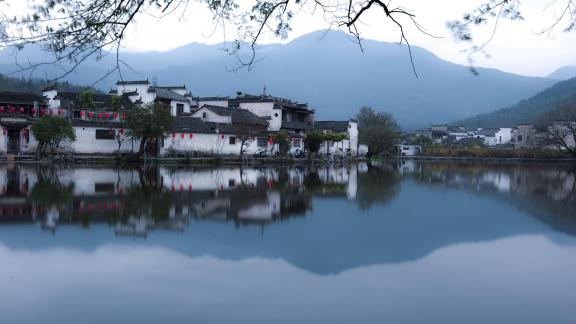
(389, 243)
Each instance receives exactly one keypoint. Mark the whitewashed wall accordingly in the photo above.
(173, 106)
(86, 142)
(219, 103)
(208, 144)
(212, 116)
(265, 109)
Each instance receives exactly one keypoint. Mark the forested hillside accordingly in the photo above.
(9, 84)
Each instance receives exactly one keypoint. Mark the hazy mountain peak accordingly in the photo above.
(564, 73)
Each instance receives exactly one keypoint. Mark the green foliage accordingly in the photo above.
(50, 192)
(313, 141)
(281, 138)
(116, 103)
(379, 131)
(50, 131)
(334, 137)
(86, 100)
(421, 140)
(148, 122)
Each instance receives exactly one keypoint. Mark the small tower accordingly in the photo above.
(264, 94)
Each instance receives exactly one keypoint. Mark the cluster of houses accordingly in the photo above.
(520, 136)
(202, 125)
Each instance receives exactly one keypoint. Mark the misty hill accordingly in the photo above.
(552, 103)
(563, 73)
(331, 73)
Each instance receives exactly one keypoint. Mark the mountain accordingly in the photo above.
(8, 84)
(327, 70)
(563, 73)
(553, 103)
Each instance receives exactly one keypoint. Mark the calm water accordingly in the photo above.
(389, 243)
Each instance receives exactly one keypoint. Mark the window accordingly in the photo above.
(231, 183)
(77, 114)
(262, 142)
(104, 187)
(405, 148)
(105, 134)
(232, 140)
(179, 109)
(204, 115)
(519, 137)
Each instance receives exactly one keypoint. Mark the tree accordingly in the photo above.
(422, 141)
(85, 28)
(245, 134)
(281, 138)
(85, 98)
(147, 123)
(50, 132)
(312, 142)
(377, 130)
(562, 136)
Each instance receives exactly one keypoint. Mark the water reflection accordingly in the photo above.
(460, 243)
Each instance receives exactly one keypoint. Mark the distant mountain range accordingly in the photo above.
(563, 73)
(329, 71)
(556, 102)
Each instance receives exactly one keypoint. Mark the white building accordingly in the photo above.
(346, 147)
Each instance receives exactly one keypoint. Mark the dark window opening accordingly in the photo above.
(104, 187)
(232, 140)
(104, 134)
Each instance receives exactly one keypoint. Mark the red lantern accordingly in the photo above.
(81, 113)
(222, 136)
(181, 187)
(100, 115)
(33, 111)
(189, 187)
(182, 135)
(190, 135)
(90, 114)
(124, 116)
(21, 109)
(121, 130)
(107, 115)
(270, 140)
(1, 108)
(173, 135)
(115, 115)
(11, 109)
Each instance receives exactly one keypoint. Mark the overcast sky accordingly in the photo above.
(517, 46)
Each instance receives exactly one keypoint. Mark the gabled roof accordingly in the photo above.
(221, 111)
(296, 125)
(100, 101)
(162, 93)
(212, 98)
(333, 126)
(279, 103)
(182, 87)
(238, 116)
(196, 125)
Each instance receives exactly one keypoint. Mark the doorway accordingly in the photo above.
(13, 141)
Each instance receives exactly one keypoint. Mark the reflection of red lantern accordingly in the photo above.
(1, 108)
(33, 111)
(182, 135)
(222, 136)
(4, 131)
(270, 140)
(173, 135)
(21, 109)
(190, 135)
(189, 187)
(59, 111)
(121, 130)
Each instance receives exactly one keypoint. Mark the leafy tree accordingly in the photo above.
(281, 138)
(87, 27)
(245, 134)
(85, 98)
(422, 141)
(377, 130)
(147, 123)
(312, 141)
(50, 132)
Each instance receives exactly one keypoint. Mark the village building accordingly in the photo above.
(346, 147)
(530, 136)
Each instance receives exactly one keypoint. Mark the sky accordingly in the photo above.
(517, 47)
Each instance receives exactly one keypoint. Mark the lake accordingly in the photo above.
(394, 242)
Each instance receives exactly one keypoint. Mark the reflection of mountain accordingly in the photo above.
(544, 192)
(415, 219)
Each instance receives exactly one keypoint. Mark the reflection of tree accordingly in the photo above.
(49, 191)
(379, 185)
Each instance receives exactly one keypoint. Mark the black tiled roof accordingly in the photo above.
(238, 116)
(222, 111)
(92, 123)
(162, 93)
(279, 103)
(100, 101)
(20, 98)
(133, 82)
(296, 125)
(333, 126)
(212, 98)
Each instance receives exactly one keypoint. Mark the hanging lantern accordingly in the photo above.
(81, 113)
(222, 136)
(124, 116)
(11, 109)
(189, 187)
(100, 115)
(32, 110)
(107, 115)
(49, 111)
(115, 115)
(181, 187)
(270, 140)
(173, 135)
(90, 114)
(21, 109)
(1, 108)
(190, 135)
(182, 135)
